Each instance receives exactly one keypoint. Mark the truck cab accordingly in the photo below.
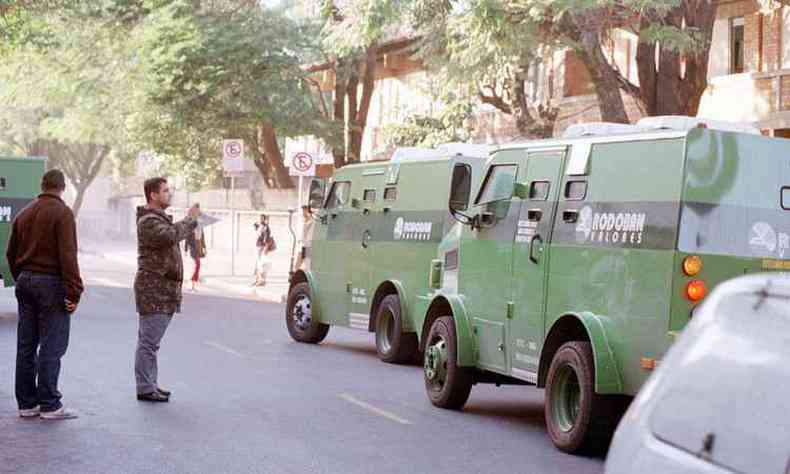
(578, 261)
(376, 236)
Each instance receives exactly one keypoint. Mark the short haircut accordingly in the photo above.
(153, 185)
(53, 180)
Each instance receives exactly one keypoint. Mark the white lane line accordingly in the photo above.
(374, 410)
(226, 349)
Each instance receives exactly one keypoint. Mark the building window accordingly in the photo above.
(736, 46)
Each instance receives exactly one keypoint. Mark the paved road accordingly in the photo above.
(248, 399)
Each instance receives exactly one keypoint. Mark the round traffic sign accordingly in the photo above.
(233, 149)
(302, 162)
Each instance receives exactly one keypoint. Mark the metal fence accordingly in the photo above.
(234, 234)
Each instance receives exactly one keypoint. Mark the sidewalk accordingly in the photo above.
(8, 307)
(215, 270)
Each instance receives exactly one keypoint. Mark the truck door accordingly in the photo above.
(366, 217)
(489, 258)
(330, 261)
(530, 260)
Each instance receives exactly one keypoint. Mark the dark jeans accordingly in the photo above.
(44, 322)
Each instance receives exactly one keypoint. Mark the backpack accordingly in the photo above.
(270, 245)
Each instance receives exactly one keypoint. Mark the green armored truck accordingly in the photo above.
(376, 235)
(579, 260)
(20, 183)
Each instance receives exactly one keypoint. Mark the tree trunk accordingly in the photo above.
(81, 163)
(267, 138)
(75, 208)
(700, 15)
(663, 89)
(604, 78)
(525, 122)
(339, 113)
(361, 120)
(352, 94)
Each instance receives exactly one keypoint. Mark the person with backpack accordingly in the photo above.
(265, 244)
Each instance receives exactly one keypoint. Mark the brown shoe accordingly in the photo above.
(164, 392)
(153, 397)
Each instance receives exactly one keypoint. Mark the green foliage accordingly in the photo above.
(217, 72)
(429, 131)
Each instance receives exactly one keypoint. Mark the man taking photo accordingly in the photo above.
(157, 286)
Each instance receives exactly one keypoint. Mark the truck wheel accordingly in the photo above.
(447, 384)
(578, 419)
(392, 344)
(298, 316)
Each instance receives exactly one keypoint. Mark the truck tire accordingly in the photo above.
(298, 316)
(392, 344)
(448, 385)
(578, 420)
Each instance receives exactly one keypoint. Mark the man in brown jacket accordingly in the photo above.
(42, 254)
(157, 286)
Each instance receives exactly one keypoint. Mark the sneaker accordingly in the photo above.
(30, 412)
(61, 414)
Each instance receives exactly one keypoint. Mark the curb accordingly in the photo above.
(269, 295)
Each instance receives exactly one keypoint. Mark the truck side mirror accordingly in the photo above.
(315, 197)
(460, 187)
(521, 190)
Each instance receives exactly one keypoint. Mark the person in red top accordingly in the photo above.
(42, 255)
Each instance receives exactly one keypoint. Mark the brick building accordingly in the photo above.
(749, 81)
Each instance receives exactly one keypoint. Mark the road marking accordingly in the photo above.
(374, 410)
(226, 349)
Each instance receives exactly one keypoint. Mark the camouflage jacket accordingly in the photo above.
(160, 270)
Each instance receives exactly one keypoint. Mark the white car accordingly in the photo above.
(719, 402)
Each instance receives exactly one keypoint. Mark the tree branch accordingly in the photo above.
(494, 100)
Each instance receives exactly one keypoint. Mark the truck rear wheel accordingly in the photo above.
(448, 385)
(299, 316)
(392, 344)
(577, 418)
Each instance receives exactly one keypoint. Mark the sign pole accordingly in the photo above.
(232, 227)
(233, 164)
(299, 193)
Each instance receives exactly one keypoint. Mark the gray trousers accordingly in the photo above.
(152, 329)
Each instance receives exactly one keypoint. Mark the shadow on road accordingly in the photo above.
(367, 349)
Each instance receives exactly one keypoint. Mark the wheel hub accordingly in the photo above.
(566, 398)
(385, 331)
(435, 363)
(302, 313)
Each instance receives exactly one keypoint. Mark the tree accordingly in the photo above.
(227, 69)
(354, 59)
(672, 54)
(476, 48)
(507, 39)
(67, 99)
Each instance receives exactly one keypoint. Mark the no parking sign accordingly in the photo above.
(302, 164)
